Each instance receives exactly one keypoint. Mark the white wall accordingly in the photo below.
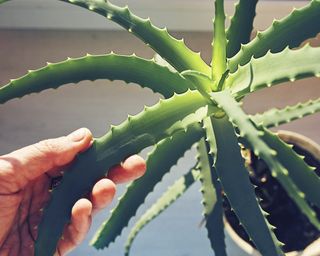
(191, 15)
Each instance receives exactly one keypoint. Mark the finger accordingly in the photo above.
(132, 168)
(75, 232)
(102, 194)
(32, 161)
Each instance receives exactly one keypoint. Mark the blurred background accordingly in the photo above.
(33, 32)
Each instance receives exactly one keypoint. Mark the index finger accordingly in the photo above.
(30, 162)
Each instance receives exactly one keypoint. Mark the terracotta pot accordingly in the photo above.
(314, 248)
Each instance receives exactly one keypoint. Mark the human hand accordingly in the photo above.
(27, 175)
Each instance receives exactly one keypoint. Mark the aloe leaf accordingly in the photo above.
(136, 133)
(275, 117)
(172, 50)
(241, 26)
(172, 194)
(275, 68)
(219, 58)
(212, 199)
(162, 62)
(92, 67)
(165, 154)
(299, 171)
(254, 137)
(291, 31)
(200, 81)
(234, 177)
(208, 190)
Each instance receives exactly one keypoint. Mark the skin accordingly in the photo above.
(26, 177)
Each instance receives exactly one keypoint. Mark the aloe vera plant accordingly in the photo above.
(201, 104)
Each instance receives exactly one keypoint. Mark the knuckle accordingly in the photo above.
(9, 167)
(49, 148)
(8, 164)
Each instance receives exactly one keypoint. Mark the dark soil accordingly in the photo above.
(293, 228)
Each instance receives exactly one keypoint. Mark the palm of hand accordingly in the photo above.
(26, 177)
(21, 214)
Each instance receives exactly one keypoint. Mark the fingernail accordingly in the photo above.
(78, 135)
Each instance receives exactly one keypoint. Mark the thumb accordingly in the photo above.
(34, 160)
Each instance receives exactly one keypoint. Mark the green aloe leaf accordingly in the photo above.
(275, 117)
(171, 195)
(219, 58)
(241, 26)
(165, 154)
(136, 133)
(211, 194)
(254, 137)
(172, 50)
(200, 81)
(162, 62)
(234, 177)
(208, 190)
(290, 32)
(275, 68)
(173, 124)
(92, 67)
(299, 171)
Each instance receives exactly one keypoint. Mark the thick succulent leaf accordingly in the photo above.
(299, 171)
(275, 68)
(254, 137)
(241, 26)
(219, 58)
(91, 67)
(291, 31)
(159, 162)
(172, 194)
(200, 81)
(275, 117)
(136, 133)
(162, 62)
(234, 178)
(208, 190)
(172, 50)
(212, 198)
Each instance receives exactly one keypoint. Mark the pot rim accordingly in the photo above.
(312, 249)
(302, 141)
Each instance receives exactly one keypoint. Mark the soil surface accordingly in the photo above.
(292, 227)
